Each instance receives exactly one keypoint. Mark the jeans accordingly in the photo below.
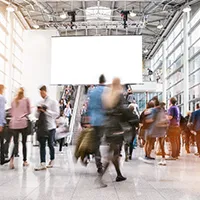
(8, 136)
(61, 143)
(130, 145)
(16, 133)
(98, 131)
(42, 141)
(2, 147)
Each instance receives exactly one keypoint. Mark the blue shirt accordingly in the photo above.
(95, 108)
(2, 110)
(175, 113)
(195, 119)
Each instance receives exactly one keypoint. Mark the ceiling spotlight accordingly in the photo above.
(63, 15)
(160, 26)
(36, 26)
(132, 14)
(187, 9)
(146, 51)
(10, 8)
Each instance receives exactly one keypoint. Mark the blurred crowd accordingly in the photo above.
(109, 116)
(113, 114)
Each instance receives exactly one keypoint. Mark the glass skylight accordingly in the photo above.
(98, 13)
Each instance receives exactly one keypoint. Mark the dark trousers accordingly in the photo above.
(2, 147)
(174, 136)
(113, 155)
(130, 146)
(98, 131)
(8, 137)
(61, 143)
(198, 141)
(49, 140)
(16, 133)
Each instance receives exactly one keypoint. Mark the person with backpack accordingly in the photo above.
(159, 123)
(47, 112)
(146, 140)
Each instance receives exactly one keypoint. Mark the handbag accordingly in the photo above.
(85, 119)
(127, 131)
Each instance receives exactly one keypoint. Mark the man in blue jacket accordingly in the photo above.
(97, 116)
(195, 119)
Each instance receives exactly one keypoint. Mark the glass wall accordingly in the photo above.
(194, 61)
(174, 50)
(11, 53)
(156, 65)
(175, 62)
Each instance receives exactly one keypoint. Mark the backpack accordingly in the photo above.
(161, 119)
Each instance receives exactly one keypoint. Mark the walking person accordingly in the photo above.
(68, 113)
(195, 120)
(47, 112)
(97, 117)
(20, 109)
(113, 103)
(2, 124)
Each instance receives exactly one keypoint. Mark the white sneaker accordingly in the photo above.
(162, 162)
(41, 167)
(50, 165)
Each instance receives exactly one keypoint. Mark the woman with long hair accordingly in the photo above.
(20, 109)
(113, 103)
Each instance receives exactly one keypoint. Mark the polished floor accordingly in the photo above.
(179, 180)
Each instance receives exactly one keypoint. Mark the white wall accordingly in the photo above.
(147, 87)
(37, 63)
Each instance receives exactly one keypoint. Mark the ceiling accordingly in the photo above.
(102, 17)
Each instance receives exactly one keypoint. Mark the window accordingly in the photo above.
(2, 36)
(194, 78)
(98, 13)
(173, 35)
(194, 92)
(3, 20)
(2, 64)
(195, 19)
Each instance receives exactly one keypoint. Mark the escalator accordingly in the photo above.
(78, 101)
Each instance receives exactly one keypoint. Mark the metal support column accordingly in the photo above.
(164, 70)
(186, 63)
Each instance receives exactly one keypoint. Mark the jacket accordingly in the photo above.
(95, 108)
(42, 126)
(19, 114)
(195, 119)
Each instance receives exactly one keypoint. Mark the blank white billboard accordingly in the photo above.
(81, 60)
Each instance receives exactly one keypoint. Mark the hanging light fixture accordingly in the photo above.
(132, 14)
(187, 9)
(63, 15)
(10, 8)
(36, 26)
(160, 26)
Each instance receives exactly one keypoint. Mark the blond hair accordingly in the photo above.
(20, 95)
(1, 88)
(111, 96)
